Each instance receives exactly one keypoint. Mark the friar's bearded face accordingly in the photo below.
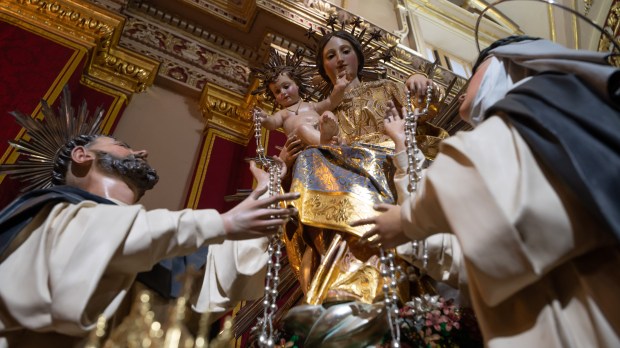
(133, 169)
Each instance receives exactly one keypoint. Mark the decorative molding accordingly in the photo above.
(184, 59)
(112, 5)
(238, 13)
(402, 15)
(228, 112)
(188, 59)
(142, 9)
(612, 26)
(306, 14)
(320, 5)
(587, 5)
(95, 28)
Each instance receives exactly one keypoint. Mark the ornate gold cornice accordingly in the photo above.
(185, 59)
(96, 29)
(172, 22)
(112, 5)
(237, 13)
(303, 13)
(228, 112)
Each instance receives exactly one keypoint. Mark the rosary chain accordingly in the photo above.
(414, 169)
(274, 250)
(389, 269)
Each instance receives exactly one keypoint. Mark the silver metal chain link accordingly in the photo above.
(274, 250)
(389, 269)
(414, 166)
(390, 293)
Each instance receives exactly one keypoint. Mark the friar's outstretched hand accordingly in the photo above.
(253, 217)
(387, 231)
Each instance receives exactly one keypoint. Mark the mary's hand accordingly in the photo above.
(417, 85)
(342, 82)
(292, 148)
(387, 231)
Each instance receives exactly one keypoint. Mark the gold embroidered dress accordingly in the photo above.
(340, 184)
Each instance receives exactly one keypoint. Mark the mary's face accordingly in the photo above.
(338, 56)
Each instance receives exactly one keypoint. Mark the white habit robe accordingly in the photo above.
(80, 260)
(443, 250)
(541, 272)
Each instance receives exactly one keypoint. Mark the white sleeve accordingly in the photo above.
(444, 259)
(444, 253)
(235, 271)
(80, 259)
(401, 179)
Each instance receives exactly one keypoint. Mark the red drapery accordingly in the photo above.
(222, 170)
(36, 64)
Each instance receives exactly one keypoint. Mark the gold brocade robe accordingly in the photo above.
(340, 184)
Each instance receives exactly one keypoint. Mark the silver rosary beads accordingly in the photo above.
(274, 250)
(414, 166)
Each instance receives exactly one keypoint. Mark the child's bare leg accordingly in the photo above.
(308, 134)
(328, 127)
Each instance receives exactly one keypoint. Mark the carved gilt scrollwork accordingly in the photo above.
(612, 26)
(227, 111)
(64, 12)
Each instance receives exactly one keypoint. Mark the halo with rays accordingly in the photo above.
(46, 137)
(373, 49)
(292, 64)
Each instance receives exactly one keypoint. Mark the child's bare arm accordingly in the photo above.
(272, 122)
(394, 123)
(332, 101)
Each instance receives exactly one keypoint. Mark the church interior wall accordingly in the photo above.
(169, 125)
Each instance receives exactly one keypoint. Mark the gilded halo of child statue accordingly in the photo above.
(285, 80)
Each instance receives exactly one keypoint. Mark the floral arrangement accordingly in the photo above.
(427, 321)
(432, 321)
